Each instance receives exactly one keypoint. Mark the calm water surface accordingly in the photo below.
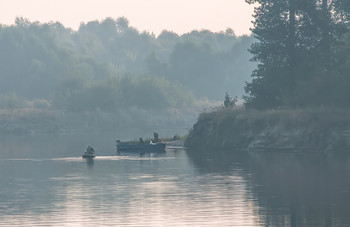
(45, 182)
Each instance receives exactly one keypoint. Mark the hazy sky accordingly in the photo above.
(180, 16)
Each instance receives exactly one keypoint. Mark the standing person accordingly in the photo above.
(156, 137)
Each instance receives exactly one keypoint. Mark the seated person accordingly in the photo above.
(90, 150)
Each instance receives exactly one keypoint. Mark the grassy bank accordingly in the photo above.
(290, 129)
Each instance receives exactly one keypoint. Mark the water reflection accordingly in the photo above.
(289, 189)
(46, 184)
(89, 162)
(120, 191)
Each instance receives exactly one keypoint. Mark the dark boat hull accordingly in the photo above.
(141, 148)
(85, 155)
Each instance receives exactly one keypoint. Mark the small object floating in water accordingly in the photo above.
(89, 153)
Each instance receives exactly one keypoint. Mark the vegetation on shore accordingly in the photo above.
(302, 54)
(108, 75)
(299, 94)
(49, 61)
(308, 129)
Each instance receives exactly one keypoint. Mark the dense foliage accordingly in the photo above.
(298, 98)
(113, 93)
(108, 64)
(301, 54)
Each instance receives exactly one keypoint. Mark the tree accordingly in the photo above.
(295, 49)
(272, 52)
(343, 6)
(229, 102)
(122, 24)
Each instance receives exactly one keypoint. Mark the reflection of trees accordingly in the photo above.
(217, 162)
(290, 189)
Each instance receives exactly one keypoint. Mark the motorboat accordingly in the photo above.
(140, 148)
(153, 146)
(89, 153)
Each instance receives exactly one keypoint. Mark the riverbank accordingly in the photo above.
(322, 129)
(129, 122)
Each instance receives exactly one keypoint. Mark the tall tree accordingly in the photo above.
(295, 49)
(274, 53)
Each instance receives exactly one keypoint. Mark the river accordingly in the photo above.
(45, 182)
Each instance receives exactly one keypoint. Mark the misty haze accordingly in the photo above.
(113, 125)
(108, 76)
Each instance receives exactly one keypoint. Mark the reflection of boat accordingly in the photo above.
(140, 148)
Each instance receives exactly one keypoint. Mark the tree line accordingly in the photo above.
(302, 52)
(109, 64)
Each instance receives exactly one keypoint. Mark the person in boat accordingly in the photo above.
(156, 137)
(90, 150)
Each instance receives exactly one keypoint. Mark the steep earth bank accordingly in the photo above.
(284, 129)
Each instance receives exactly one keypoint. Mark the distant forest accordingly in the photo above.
(108, 64)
